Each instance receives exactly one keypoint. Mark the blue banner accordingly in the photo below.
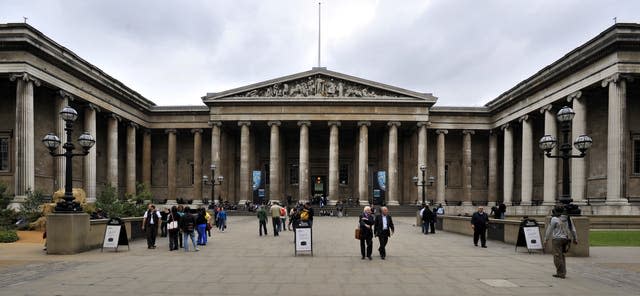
(257, 179)
(382, 180)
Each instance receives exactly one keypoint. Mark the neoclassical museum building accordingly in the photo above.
(323, 133)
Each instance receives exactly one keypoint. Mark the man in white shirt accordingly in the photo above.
(150, 222)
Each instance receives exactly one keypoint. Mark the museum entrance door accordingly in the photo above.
(318, 188)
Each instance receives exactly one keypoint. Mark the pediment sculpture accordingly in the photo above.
(318, 86)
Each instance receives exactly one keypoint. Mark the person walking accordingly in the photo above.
(366, 222)
(201, 221)
(479, 222)
(562, 232)
(150, 222)
(180, 233)
(427, 219)
(275, 218)
(262, 220)
(222, 219)
(383, 230)
(163, 222)
(283, 218)
(172, 220)
(188, 226)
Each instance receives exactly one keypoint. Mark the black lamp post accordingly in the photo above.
(582, 143)
(212, 182)
(423, 183)
(52, 142)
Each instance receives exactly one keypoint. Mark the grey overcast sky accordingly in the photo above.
(464, 52)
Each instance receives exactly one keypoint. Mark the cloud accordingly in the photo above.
(465, 52)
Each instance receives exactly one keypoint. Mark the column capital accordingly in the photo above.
(442, 131)
(274, 122)
(574, 96)
(423, 123)
(196, 130)
(546, 108)
(336, 123)
(26, 77)
(361, 123)
(170, 131)
(146, 131)
(133, 124)
(468, 132)
(215, 123)
(304, 122)
(615, 78)
(505, 126)
(114, 116)
(241, 123)
(62, 94)
(92, 107)
(524, 118)
(392, 123)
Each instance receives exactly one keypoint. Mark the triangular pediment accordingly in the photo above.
(318, 83)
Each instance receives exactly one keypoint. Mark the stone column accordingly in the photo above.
(493, 167)
(466, 166)
(274, 162)
(392, 185)
(578, 168)
(171, 165)
(62, 100)
(550, 164)
(215, 155)
(131, 158)
(363, 162)
(197, 164)
(527, 162)
(24, 177)
(334, 165)
(507, 165)
(146, 158)
(440, 194)
(112, 150)
(245, 173)
(89, 161)
(616, 136)
(303, 166)
(422, 155)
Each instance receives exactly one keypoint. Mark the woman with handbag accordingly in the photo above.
(365, 223)
(172, 228)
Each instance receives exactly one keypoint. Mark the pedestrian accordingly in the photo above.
(222, 219)
(307, 213)
(502, 208)
(163, 222)
(292, 216)
(562, 232)
(201, 222)
(383, 230)
(150, 222)
(479, 222)
(188, 226)
(180, 233)
(275, 218)
(209, 218)
(366, 222)
(173, 220)
(283, 218)
(339, 209)
(427, 219)
(262, 221)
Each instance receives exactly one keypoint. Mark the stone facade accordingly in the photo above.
(326, 133)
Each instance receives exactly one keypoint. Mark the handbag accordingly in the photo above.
(172, 225)
(358, 233)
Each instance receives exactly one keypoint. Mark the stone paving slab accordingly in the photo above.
(239, 262)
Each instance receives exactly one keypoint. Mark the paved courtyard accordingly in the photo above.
(239, 262)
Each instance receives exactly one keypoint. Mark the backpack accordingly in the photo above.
(283, 212)
(304, 215)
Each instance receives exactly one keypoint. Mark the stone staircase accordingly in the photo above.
(400, 211)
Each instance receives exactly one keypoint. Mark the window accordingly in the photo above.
(446, 175)
(344, 174)
(191, 173)
(636, 155)
(5, 158)
(293, 174)
(266, 174)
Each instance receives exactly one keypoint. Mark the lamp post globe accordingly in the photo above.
(69, 114)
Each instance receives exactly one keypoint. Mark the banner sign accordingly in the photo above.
(382, 180)
(257, 179)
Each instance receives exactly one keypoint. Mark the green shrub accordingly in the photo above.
(31, 208)
(115, 207)
(8, 236)
(8, 218)
(5, 199)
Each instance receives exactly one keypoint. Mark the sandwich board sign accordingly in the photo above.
(303, 238)
(115, 234)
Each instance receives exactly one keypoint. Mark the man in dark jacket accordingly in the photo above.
(383, 230)
(366, 221)
(479, 222)
(427, 219)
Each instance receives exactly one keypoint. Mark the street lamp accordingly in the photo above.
(52, 142)
(423, 183)
(582, 143)
(212, 182)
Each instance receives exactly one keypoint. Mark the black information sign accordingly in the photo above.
(115, 234)
(529, 235)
